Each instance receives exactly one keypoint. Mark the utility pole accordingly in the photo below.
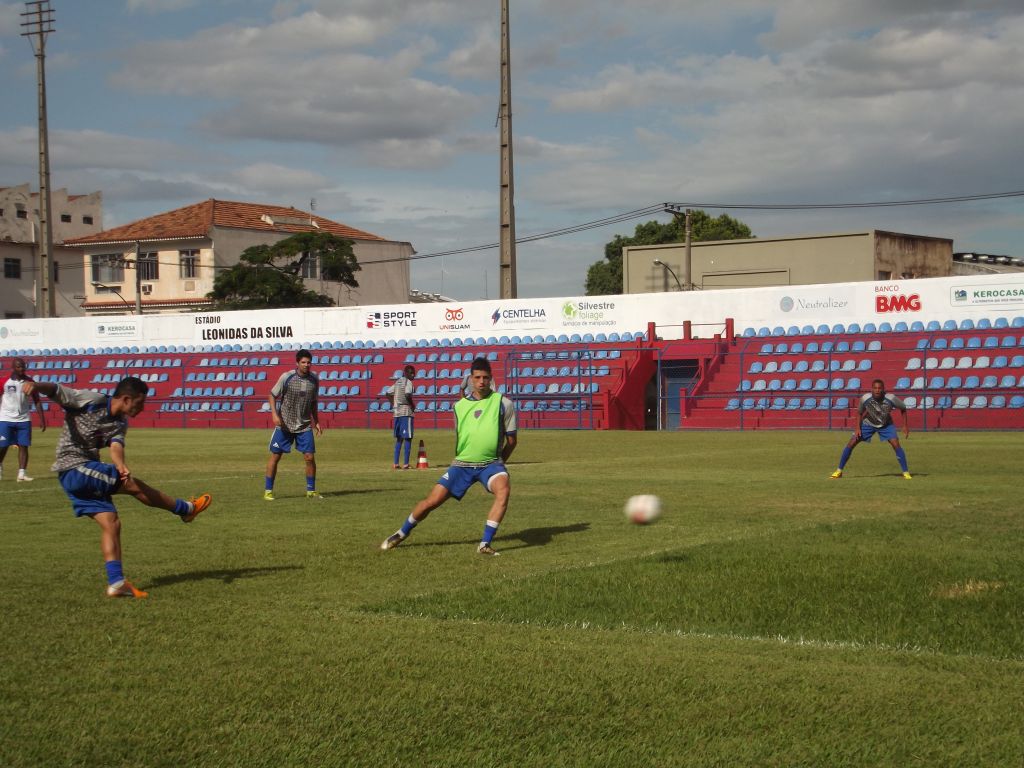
(38, 23)
(138, 281)
(507, 288)
(687, 263)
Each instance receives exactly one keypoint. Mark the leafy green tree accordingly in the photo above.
(605, 277)
(269, 276)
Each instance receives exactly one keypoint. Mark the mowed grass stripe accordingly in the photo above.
(864, 583)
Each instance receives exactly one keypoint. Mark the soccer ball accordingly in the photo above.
(643, 509)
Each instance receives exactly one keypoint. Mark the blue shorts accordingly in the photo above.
(90, 486)
(281, 441)
(458, 479)
(403, 428)
(888, 432)
(15, 433)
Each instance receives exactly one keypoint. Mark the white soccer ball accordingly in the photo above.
(643, 509)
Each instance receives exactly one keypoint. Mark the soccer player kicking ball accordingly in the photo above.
(485, 436)
(876, 418)
(93, 421)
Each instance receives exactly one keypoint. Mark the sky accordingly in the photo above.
(385, 113)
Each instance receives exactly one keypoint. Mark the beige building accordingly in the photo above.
(179, 253)
(802, 260)
(73, 216)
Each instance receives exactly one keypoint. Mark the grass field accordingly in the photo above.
(772, 617)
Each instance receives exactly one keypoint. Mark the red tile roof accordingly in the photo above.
(197, 221)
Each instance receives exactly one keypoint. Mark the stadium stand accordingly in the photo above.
(952, 375)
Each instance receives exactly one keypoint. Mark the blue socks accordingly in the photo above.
(398, 451)
(901, 457)
(408, 450)
(490, 529)
(115, 576)
(268, 484)
(407, 526)
(847, 452)
(310, 483)
(182, 507)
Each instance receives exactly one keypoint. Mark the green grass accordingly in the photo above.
(771, 617)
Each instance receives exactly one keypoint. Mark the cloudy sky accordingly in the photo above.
(384, 111)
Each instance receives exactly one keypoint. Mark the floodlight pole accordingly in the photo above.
(39, 19)
(507, 288)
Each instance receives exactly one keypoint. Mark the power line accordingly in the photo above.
(655, 208)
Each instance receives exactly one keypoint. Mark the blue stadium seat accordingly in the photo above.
(853, 328)
(793, 331)
(903, 382)
(939, 343)
(796, 348)
(1017, 401)
(984, 324)
(997, 401)
(1017, 322)
(807, 330)
(811, 348)
(885, 327)
(900, 327)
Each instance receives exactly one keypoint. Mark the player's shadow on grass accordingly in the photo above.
(227, 576)
(358, 491)
(883, 474)
(531, 537)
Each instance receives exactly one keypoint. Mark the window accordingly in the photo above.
(87, 219)
(13, 315)
(310, 266)
(189, 263)
(22, 213)
(148, 266)
(12, 268)
(66, 218)
(108, 268)
(884, 274)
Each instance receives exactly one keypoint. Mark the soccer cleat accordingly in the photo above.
(25, 479)
(907, 476)
(313, 495)
(837, 474)
(406, 467)
(198, 505)
(268, 495)
(125, 589)
(397, 466)
(392, 541)
(487, 549)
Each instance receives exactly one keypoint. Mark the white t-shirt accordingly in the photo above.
(15, 405)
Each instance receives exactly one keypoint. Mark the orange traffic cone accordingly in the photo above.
(421, 458)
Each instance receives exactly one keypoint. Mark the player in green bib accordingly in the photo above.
(485, 436)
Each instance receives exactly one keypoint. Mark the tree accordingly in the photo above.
(269, 276)
(605, 277)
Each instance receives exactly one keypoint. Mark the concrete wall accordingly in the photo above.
(802, 260)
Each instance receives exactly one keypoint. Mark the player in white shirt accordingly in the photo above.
(16, 418)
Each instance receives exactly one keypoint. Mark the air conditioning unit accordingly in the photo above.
(147, 289)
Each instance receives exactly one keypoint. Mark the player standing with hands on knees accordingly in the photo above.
(485, 436)
(293, 408)
(16, 418)
(876, 418)
(92, 421)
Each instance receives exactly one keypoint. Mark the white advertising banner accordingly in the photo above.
(952, 298)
